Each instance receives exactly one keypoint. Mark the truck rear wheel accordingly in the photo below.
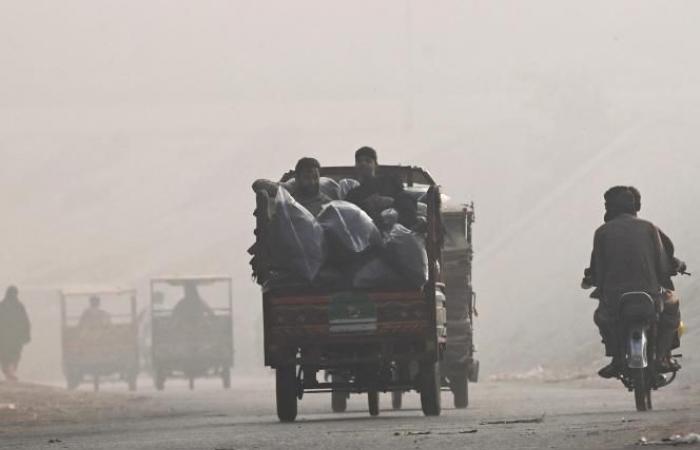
(339, 402)
(131, 381)
(459, 385)
(430, 389)
(286, 387)
(396, 400)
(373, 403)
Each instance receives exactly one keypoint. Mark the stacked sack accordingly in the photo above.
(343, 248)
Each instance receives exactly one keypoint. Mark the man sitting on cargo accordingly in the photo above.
(379, 192)
(305, 189)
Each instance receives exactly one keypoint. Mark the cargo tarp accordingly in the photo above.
(405, 251)
(350, 230)
(298, 237)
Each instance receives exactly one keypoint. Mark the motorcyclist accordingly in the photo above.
(629, 255)
(611, 212)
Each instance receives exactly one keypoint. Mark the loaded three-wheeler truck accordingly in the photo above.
(366, 340)
(191, 328)
(100, 342)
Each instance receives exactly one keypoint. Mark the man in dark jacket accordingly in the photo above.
(94, 317)
(612, 212)
(379, 192)
(14, 332)
(628, 255)
(191, 310)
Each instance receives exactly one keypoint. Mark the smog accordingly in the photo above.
(131, 133)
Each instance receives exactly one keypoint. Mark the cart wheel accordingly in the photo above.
(159, 377)
(459, 384)
(396, 400)
(430, 389)
(131, 381)
(474, 372)
(373, 403)
(226, 377)
(73, 380)
(339, 402)
(286, 387)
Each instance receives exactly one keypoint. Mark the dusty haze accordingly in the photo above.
(130, 133)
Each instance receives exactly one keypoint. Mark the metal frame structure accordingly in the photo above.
(73, 380)
(181, 280)
(409, 175)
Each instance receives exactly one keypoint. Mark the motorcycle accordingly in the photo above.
(639, 319)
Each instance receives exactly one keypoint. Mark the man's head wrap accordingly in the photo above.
(367, 152)
(620, 200)
(637, 198)
(307, 164)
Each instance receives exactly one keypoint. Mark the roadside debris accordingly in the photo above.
(544, 374)
(25, 405)
(514, 421)
(442, 433)
(676, 439)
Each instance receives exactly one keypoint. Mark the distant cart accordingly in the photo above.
(460, 366)
(194, 346)
(108, 352)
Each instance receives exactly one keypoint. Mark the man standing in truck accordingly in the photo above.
(378, 192)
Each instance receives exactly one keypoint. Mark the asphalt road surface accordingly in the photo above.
(508, 415)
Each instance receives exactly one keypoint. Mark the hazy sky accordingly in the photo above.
(131, 131)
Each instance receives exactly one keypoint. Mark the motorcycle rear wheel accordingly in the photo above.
(642, 390)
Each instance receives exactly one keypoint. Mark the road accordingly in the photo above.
(573, 414)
